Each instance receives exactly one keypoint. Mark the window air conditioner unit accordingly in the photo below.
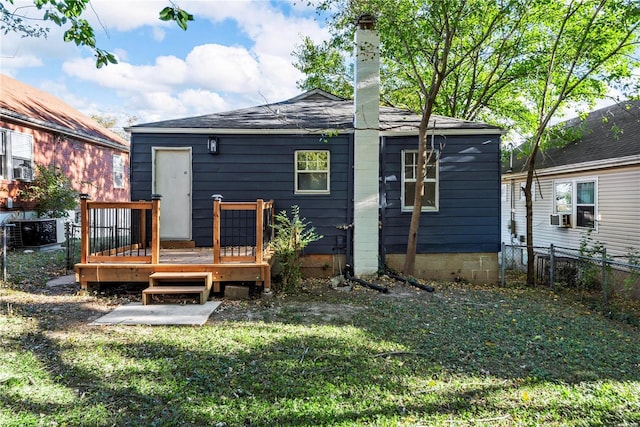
(23, 173)
(560, 220)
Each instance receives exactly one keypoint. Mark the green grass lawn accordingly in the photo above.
(461, 356)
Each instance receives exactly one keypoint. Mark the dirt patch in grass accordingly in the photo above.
(63, 306)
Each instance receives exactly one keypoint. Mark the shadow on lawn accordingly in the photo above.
(403, 358)
(270, 385)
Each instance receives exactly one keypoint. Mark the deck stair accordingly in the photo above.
(164, 283)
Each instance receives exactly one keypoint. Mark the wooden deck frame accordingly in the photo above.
(121, 265)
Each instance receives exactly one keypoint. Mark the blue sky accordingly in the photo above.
(235, 54)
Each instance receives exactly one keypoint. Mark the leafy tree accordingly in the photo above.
(111, 122)
(516, 63)
(68, 14)
(452, 57)
(581, 49)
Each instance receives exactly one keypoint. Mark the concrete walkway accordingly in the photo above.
(153, 314)
(158, 314)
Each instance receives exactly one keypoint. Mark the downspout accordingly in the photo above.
(349, 226)
(383, 203)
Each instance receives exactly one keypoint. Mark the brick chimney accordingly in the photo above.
(366, 147)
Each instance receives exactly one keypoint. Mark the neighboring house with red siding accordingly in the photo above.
(37, 128)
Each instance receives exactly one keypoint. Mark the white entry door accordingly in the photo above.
(172, 180)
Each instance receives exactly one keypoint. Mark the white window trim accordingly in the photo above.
(7, 152)
(328, 172)
(118, 168)
(435, 208)
(574, 200)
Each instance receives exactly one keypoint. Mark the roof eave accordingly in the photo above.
(228, 131)
(22, 119)
(579, 167)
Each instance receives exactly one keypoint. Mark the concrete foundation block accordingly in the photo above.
(236, 292)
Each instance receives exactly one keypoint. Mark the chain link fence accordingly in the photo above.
(611, 282)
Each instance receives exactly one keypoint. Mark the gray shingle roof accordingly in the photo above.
(608, 133)
(310, 111)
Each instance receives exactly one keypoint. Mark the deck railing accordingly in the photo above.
(116, 232)
(242, 231)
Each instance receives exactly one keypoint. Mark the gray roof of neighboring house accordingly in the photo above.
(611, 132)
(310, 111)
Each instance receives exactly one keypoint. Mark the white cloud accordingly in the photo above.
(158, 34)
(165, 73)
(198, 100)
(206, 78)
(124, 15)
(13, 63)
(217, 67)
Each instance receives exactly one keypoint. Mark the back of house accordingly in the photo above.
(301, 152)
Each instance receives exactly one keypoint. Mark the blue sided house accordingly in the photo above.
(350, 166)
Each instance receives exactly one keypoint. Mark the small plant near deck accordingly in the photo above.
(52, 192)
(292, 235)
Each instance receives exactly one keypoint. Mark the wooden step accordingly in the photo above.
(156, 278)
(157, 287)
(203, 291)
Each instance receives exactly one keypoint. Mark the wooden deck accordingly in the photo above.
(129, 256)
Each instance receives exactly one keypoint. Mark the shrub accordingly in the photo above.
(52, 192)
(292, 235)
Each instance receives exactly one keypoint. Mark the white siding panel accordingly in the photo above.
(618, 211)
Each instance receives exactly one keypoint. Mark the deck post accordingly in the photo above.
(155, 228)
(259, 229)
(272, 216)
(143, 227)
(216, 228)
(84, 228)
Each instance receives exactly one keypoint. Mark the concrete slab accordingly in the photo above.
(158, 314)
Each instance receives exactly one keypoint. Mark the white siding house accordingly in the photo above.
(589, 186)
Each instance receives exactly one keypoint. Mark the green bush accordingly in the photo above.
(52, 192)
(292, 235)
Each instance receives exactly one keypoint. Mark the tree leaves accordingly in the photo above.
(174, 13)
(69, 13)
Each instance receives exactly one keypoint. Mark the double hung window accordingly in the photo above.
(579, 198)
(16, 155)
(312, 172)
(410, 177)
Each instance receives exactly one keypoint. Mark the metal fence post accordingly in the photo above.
(605, 284)
(503, 248)
(5, 239)
(552, 263)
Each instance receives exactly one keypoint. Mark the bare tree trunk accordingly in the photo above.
(528, 197)
(412, 241)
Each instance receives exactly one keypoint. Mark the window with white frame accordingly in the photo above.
(118, 171)
(578, 198)
(586, 204)
(312, 172)
(16, 155)
(409, 179)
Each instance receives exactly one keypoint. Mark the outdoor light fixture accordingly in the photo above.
(213, 145)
